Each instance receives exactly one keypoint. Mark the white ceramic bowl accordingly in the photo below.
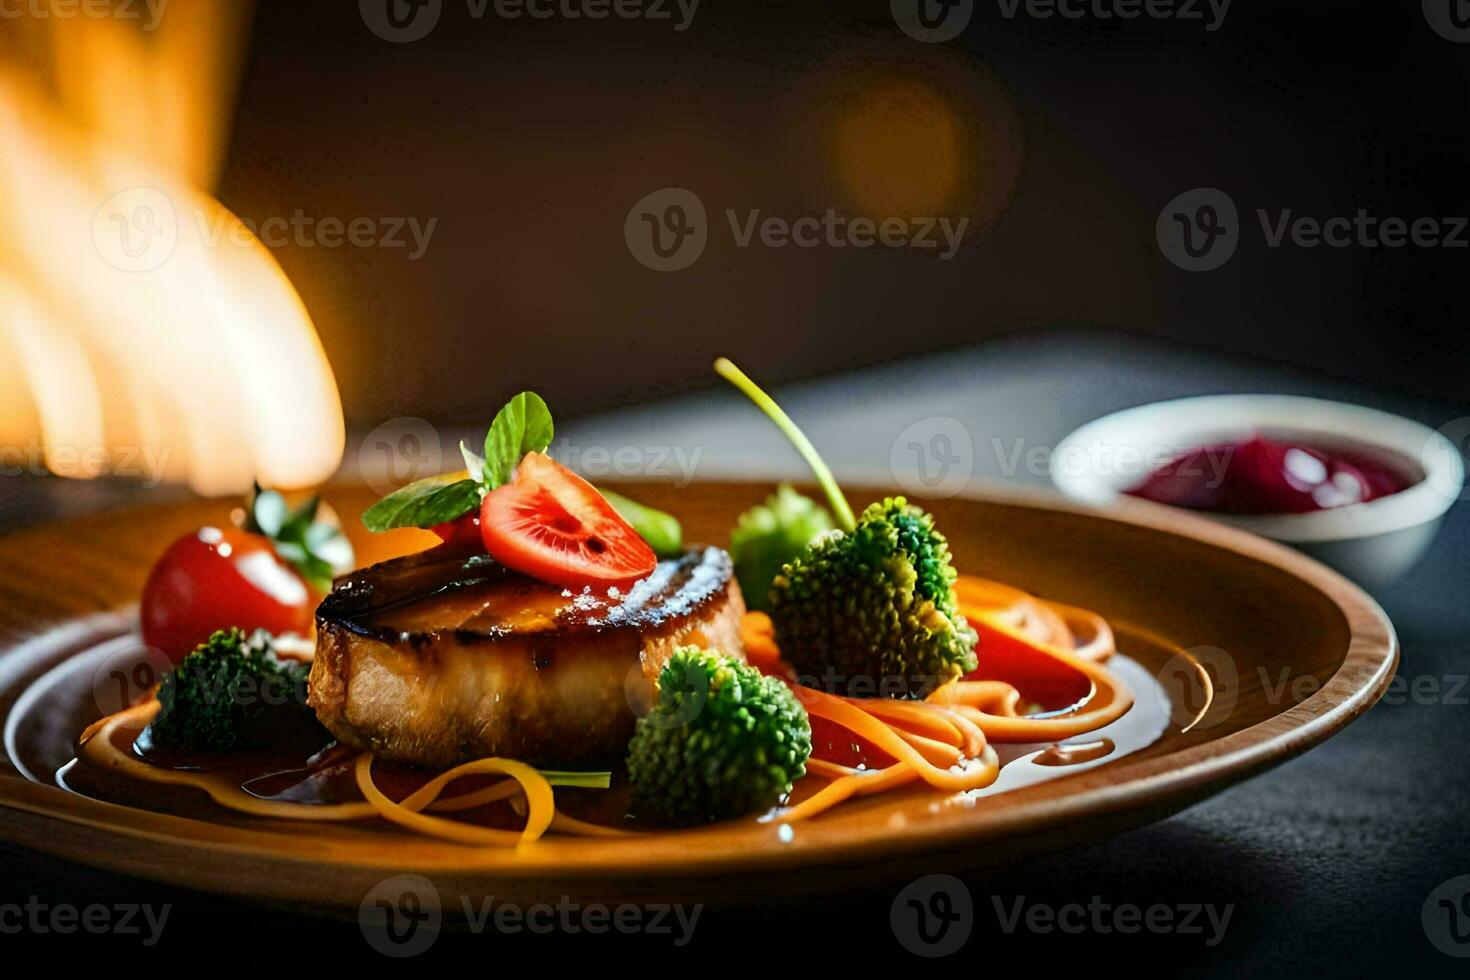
(1373, 542)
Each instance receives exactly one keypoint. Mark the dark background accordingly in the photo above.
(529, 141)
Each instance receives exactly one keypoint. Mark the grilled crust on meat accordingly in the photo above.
(437, 660)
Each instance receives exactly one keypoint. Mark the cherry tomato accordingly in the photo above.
(217, 578)
(462, 532)
(554, 526)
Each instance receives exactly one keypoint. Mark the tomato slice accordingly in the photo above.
(554, 526)
(463, 533)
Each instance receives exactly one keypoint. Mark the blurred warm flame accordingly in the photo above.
(143, 329)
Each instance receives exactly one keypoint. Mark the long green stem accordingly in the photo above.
(727, 370)
(586, 780)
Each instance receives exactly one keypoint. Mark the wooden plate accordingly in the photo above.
(1296, 652)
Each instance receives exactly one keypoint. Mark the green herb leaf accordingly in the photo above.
(329, 543)
(474, 463)
(268, 512)
(660, 530)
(424, 503)
(301, 521)
(522, 426)
(316, 549)
(316, 570)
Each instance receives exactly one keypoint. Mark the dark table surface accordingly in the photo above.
(1324, 863)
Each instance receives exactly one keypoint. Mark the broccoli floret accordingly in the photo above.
(770, 535)
(233, 694)
(873, 612)
(721, 741)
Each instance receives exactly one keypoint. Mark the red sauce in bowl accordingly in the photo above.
(1266, 476)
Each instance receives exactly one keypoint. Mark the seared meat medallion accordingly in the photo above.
(440, 658)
